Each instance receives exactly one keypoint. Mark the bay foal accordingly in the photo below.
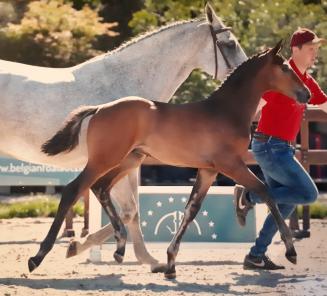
(211, 135)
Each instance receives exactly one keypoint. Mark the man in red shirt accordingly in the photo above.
(288, 182)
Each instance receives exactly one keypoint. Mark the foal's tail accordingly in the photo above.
(66, 139)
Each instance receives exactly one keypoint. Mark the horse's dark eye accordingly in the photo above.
(231, 43)
(228, 43)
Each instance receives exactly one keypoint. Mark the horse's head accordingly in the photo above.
(224, 52)
(282, 78)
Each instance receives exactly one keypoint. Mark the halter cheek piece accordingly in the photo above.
(216, 44)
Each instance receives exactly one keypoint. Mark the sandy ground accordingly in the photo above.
(203, 269)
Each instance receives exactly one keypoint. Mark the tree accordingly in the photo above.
(53, 33)
(118, 11)
(7, 13)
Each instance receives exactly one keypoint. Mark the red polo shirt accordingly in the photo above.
(281, 116)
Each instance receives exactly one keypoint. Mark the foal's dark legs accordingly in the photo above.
(203, 181)
(103, 196)
(102, 191)
(242, 175)
(70, 195)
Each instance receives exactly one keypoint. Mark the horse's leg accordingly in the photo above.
(70, 195)
(86, 199)
(69, 229)
(204, 179)
(128, 202)
(239, 172)
(134, 228)
(104, 186)
(99, 237)
(120, 231)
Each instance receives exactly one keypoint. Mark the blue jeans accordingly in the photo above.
(288, 185)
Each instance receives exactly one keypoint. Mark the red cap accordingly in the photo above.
(303, 35)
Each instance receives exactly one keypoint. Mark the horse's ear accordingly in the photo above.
(277, 48)
(209, 12)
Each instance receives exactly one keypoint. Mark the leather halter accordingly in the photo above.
(216, 44)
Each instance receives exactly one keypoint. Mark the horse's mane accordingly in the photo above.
(143, 36)
(151, 33)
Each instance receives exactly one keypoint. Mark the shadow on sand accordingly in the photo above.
(267, 279)
(114, 282)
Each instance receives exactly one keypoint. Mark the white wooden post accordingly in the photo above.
(94, 225)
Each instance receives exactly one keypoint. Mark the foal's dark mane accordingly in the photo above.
(244, 71)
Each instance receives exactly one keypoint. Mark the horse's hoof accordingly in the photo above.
(72, 249)
(118, 257)
(32, 264)
(170, 276)
(291, 256)
(159, 268)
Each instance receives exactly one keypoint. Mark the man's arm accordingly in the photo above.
(318, 97)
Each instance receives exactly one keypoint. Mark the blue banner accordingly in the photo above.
(161, 214)
(14, 172)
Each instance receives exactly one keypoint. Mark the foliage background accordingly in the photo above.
(60, 33)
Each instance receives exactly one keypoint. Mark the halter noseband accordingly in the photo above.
(216, 44)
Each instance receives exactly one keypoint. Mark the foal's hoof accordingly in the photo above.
(170, 273)
(118, 257)
(72, 249)
(32, 264)
(291, 256)
(170, 276)
(159, 268)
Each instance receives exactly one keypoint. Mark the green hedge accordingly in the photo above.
(47, 207)
(317, 210)
(39, 207)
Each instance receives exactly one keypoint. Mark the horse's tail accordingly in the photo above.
(66, 139)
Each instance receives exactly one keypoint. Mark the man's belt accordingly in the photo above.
(265, 138)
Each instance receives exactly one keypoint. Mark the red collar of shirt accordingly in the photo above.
(303, 76)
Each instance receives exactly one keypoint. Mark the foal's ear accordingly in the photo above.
(277, 48)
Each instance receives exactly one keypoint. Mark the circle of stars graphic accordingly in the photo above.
(172, 200)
